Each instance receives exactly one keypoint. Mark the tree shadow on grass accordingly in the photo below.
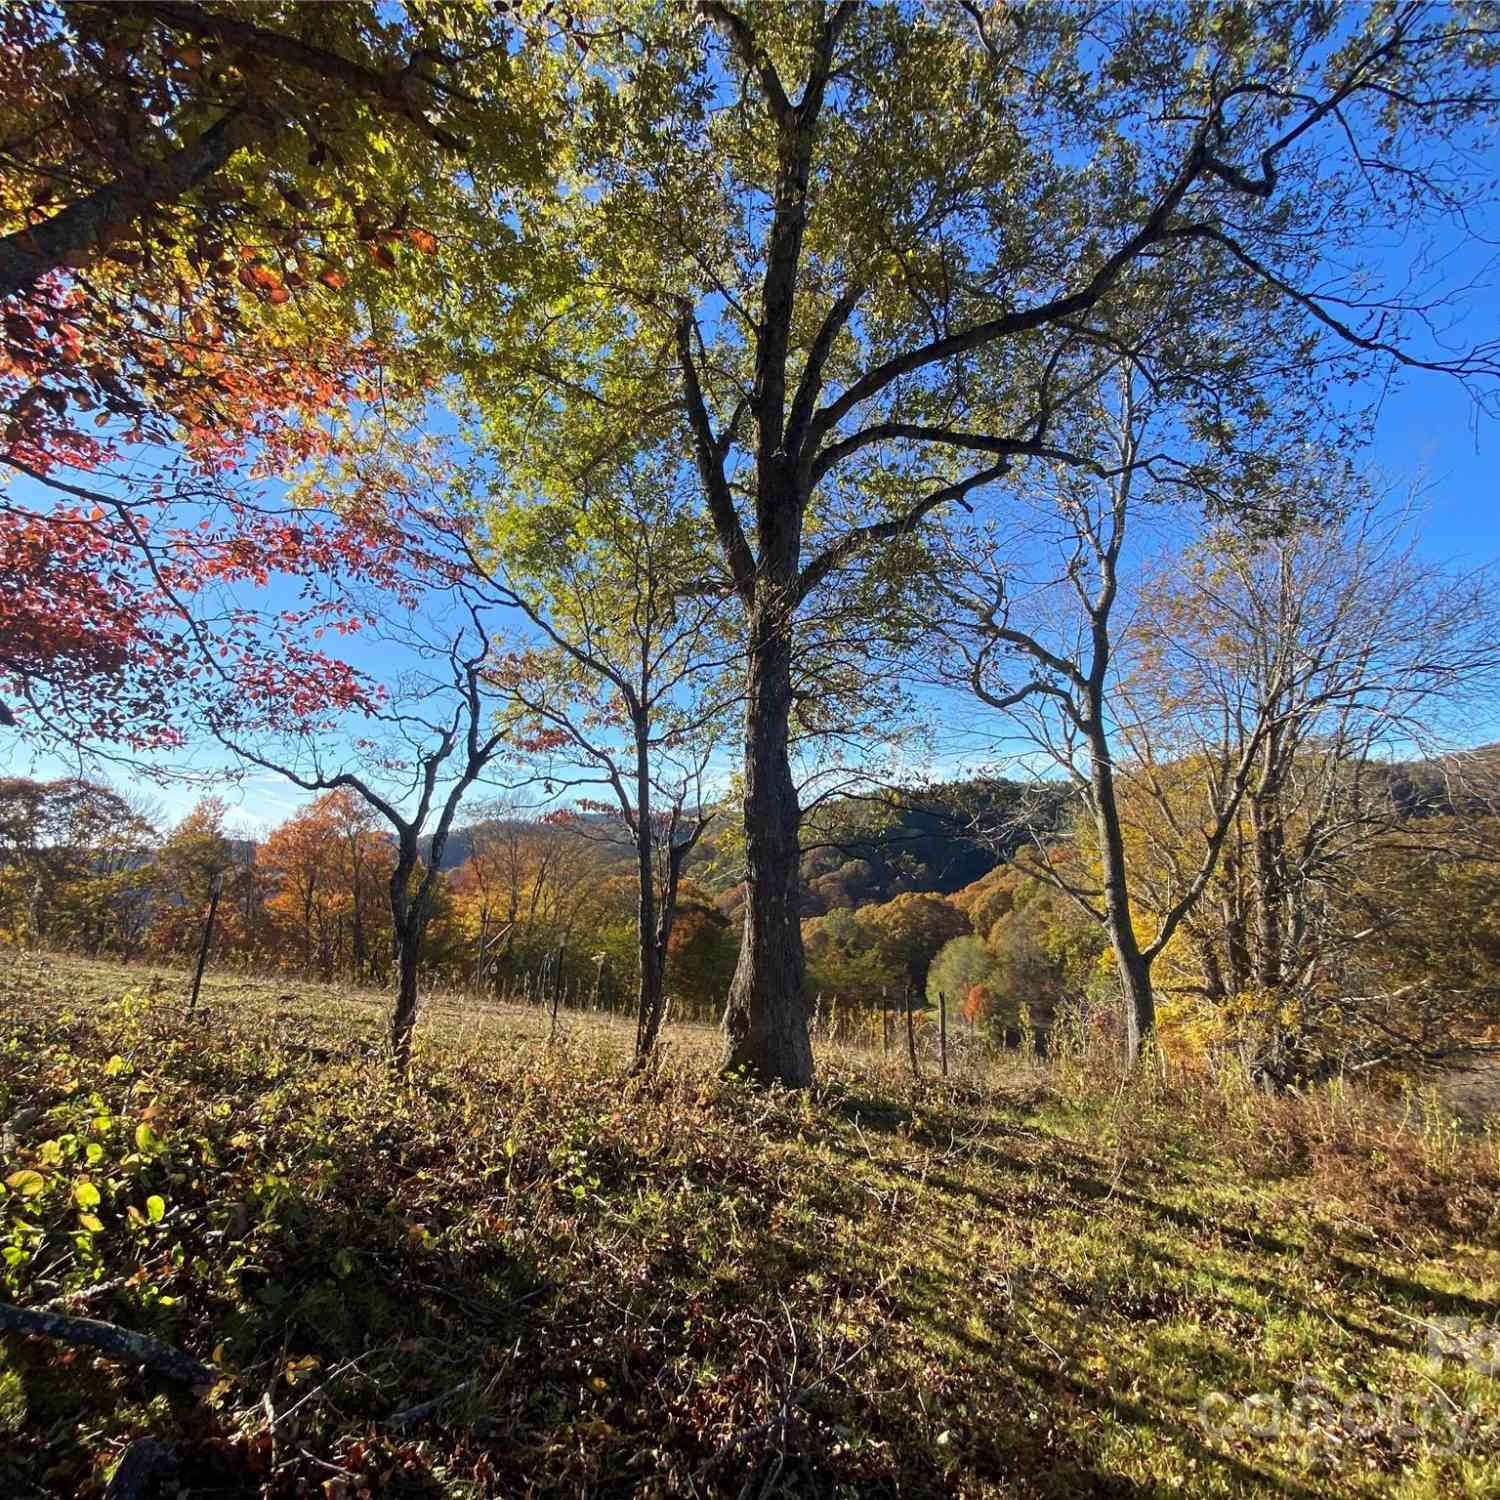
(936, 1291)
(1090, 1188)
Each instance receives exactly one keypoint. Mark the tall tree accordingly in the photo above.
(364, 858)
(870, 257)
(420, 731)
(198, 855)
(632, 684)
(1029, 627)
(302, 859)
(1344, 646)
(432, 750)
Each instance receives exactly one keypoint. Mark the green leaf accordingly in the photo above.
(156, 1208)
(26, 1182)
(115, 1066)
(145, 1137)
(90, 1222)
(86, 1195)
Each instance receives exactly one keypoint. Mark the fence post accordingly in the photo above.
(943, 1028)
(885, 1021)
(911, 1034)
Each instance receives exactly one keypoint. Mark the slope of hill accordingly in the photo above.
(528, 1275)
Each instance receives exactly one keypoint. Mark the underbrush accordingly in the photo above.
(1392, 1150)
(528, 1274)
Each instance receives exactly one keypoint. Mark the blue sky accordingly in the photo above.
(1431, 432)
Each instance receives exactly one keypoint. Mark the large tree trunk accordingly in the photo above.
(1140, 1001)
(649, 995)
(765, 1021)
(1134, 967)
(404, 1017)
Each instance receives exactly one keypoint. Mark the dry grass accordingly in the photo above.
(1026, 1281)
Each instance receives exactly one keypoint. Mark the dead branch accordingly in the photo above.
(108, 1338)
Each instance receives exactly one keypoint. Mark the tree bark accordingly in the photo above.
(765, 1021)
(650, 999)
(404, 1017)
(649, 996)
(83, 227)
(1236, 941)
(409, 911)
(658, 909)
(142, 1467)
(1134, 968)
(1269, 843)
(109, 1338)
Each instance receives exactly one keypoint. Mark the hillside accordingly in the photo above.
(526, 1275)
(928, 837)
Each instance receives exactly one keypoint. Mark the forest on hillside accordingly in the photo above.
(534, 901)
(906, 896)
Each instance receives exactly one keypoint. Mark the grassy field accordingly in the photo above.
(526, 1274)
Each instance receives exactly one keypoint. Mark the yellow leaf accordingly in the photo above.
(26, 1182)
(86, 1195)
